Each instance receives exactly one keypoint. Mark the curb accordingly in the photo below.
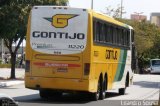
(10, 83)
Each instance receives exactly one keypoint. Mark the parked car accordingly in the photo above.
(155, 66)
(5, 100)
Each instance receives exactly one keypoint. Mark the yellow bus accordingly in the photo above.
(74, 49)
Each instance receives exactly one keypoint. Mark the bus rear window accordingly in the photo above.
(58, 31)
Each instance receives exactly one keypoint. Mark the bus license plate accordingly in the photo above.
(62, 70)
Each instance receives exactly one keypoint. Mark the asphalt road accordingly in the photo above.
(144, 91)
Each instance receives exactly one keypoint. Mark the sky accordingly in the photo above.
(144, 7)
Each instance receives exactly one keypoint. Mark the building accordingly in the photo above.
(4, 52)
(4, 49)
(138, 17)
(155, 19)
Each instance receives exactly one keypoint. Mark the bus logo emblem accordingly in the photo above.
(60, 20)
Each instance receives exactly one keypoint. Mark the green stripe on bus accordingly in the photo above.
(121, 65)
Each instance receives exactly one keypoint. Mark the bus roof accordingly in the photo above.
(60, 7)
(109, 19)
(96, 14)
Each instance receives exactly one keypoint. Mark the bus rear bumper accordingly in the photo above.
(63, 84)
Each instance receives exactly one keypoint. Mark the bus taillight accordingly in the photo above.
(86, 68)
(27, 67)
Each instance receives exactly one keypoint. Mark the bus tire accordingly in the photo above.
(57, 94)
(122, 91)
(43, 94)
(96, 95)
(104, 87)
(101, 88)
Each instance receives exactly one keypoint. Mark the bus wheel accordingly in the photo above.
(122, 91)
(96, 95)
(43, 94)
(57, 94)
(100, 94)
(104, 89)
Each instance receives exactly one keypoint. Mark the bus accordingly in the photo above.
(80, 50)
(155, 66)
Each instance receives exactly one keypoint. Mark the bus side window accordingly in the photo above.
(97, 31)
(119, 36)
(106, 32)
(111, 34)
(128, 38)
(123, 37)
(101, 32)
(94, 31)
(114, 35)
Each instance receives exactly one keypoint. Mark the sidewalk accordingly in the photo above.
(5, 74)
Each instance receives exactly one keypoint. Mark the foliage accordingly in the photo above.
(13, 22)
(115, 12)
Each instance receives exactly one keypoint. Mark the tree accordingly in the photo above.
(115, 12)
(13, 22)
